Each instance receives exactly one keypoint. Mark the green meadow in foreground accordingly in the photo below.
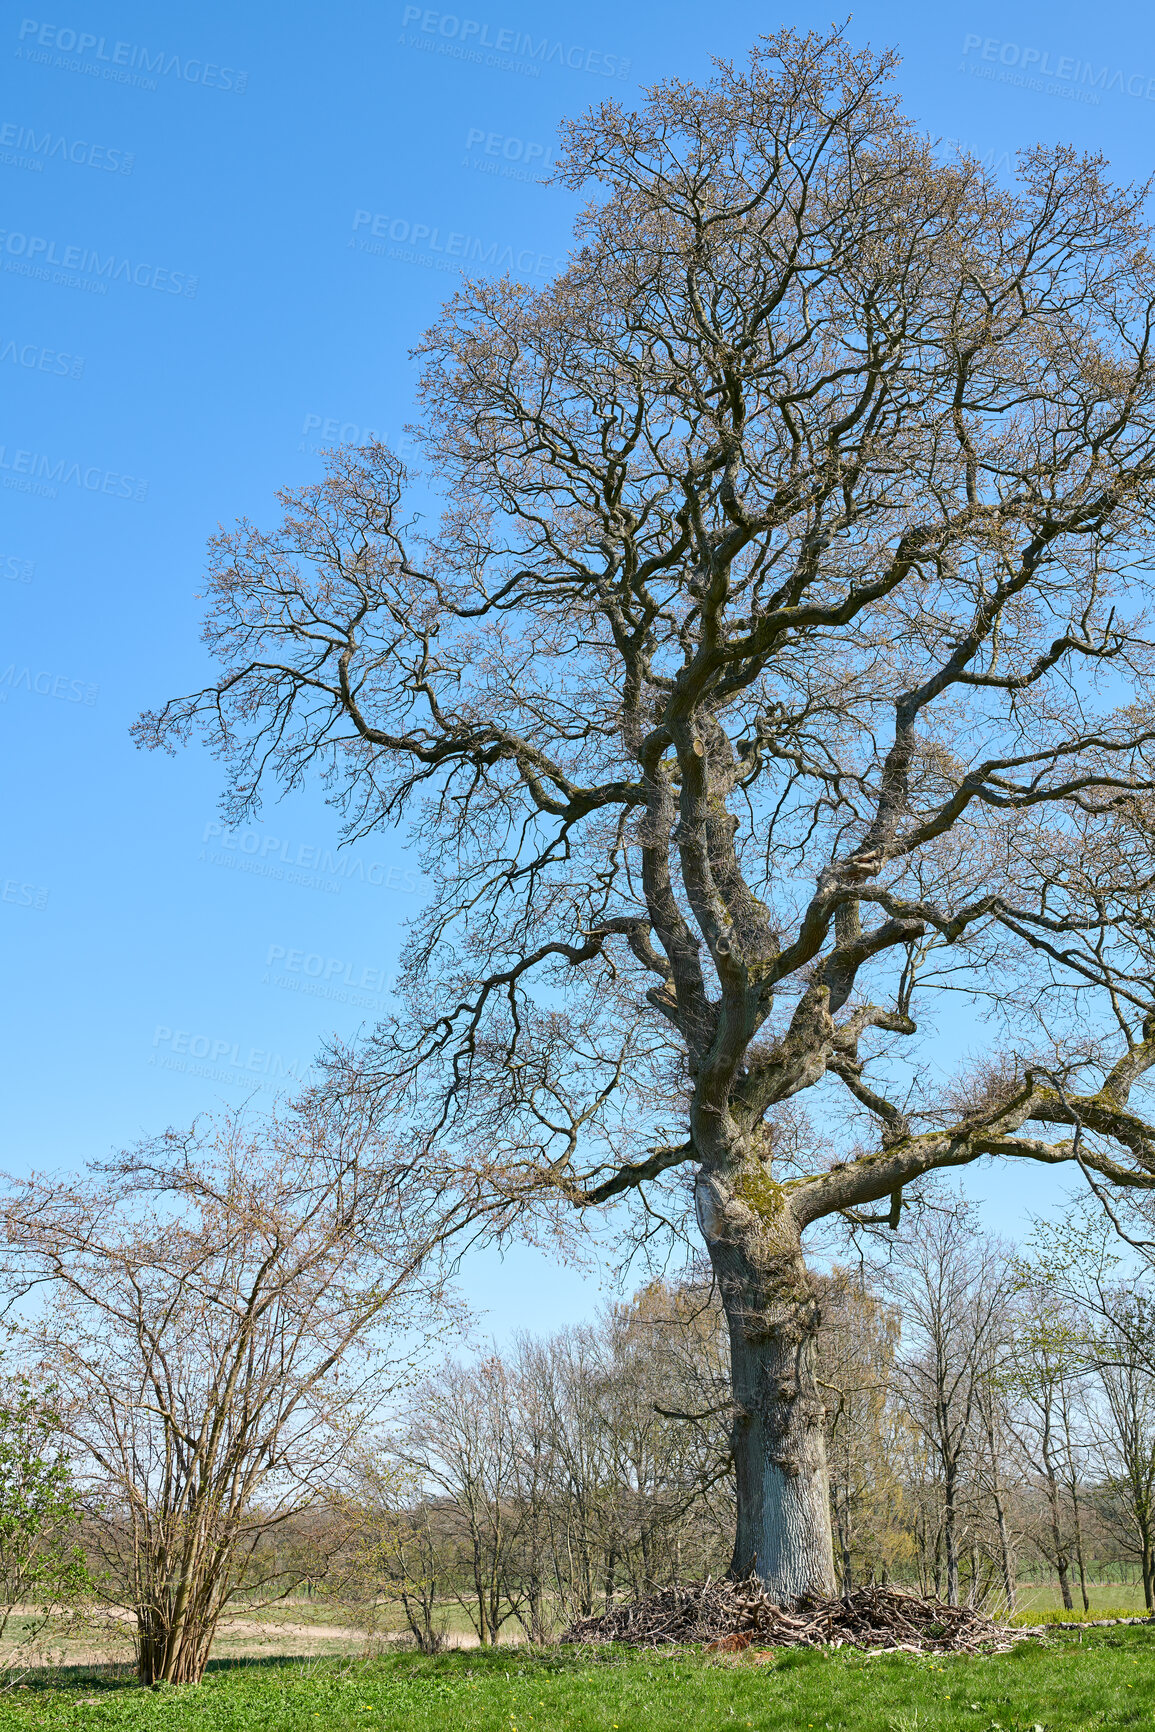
(1106, 1679)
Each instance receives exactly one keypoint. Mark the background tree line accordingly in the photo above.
(990, 1417)
(220, 1394)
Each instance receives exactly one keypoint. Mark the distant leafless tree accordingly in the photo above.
(779, 661)
(1048, 1377)
(1091, 1275)
(996, 1469)
(1124, 1430)
(953, 1287)
(462, 1440)
(575, 1466)
(394, 1549)
(219, 1310)
(867, 1429)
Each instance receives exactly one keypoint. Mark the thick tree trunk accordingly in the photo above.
(778, 1436)
(171, 1654)
(783, 1530)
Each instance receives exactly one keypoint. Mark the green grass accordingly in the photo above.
(1041, 1603)
(1076, 1615)
(1106, 1679)
(1108, 1600)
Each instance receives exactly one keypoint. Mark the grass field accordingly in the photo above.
(1092, 1679)
(1108, 1600)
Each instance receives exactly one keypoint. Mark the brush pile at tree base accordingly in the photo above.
(731, 1616)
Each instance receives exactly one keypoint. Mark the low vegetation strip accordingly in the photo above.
(1085, 1623)
(1106, 1681)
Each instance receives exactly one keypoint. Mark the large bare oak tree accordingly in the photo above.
(778, 663)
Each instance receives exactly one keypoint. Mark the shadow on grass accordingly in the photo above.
(110, 1676)
(116, 1675)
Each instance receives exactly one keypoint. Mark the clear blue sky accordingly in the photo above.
(189, 313)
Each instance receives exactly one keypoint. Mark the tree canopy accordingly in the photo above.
(789, 578)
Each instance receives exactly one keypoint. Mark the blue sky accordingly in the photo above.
(197, 292)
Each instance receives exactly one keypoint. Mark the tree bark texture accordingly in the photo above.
(778, 1438)
(170, 1653)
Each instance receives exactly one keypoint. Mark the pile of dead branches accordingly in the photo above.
(731, 1616)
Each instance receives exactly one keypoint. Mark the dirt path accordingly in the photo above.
(237, 1637)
